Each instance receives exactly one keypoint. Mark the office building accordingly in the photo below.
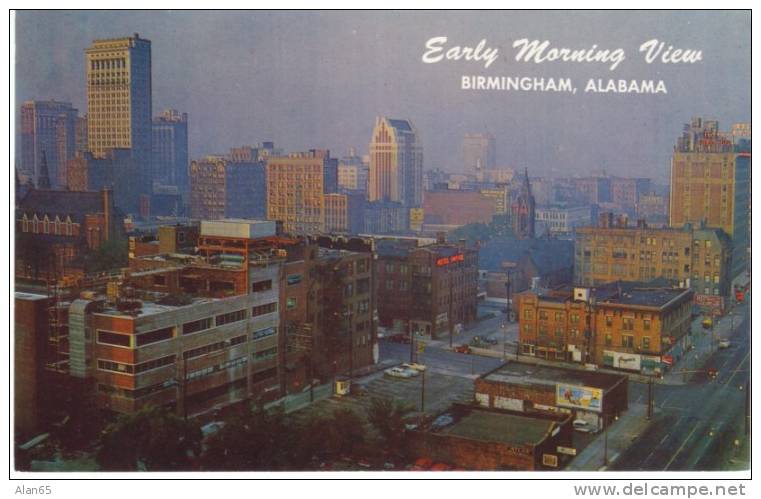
(48, 128)
(170, 149)
(119, 99)
(710, 183)
(296, 189)
(479, 153)
(396, 163)
(220, 188)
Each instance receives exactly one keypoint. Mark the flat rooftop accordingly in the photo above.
(645, 297)
(518, 373)
(499, 427)
(150, 307)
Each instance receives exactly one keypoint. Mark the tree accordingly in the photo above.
(153, 438)
(387, 417)
(347, 431)
(479, 232)
(255, 439)
(112, 254)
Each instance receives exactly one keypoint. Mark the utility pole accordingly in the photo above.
(412, 340)
(650, 398)
(422, 393)
(451, 299)
(184, 388)
(605, 452)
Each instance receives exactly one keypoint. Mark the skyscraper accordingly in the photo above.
(119, 98)
(710, 184)
(479, 152)
(396, 163)
(170, 148)
(47, 127)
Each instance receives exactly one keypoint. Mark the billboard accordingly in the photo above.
(578, 397)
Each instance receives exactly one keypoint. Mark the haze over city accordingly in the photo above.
(318, 79)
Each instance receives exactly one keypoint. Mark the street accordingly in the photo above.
(696, 424)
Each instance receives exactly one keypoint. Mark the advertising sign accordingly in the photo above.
(579, 397)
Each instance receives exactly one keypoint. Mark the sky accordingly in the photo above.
(318, 80)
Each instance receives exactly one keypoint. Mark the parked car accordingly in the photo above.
(415, 366)
(724, 343)
(442, 421)
(400, 372)
(580, 423)
(399, 338)
(462, 349)
(712, 372)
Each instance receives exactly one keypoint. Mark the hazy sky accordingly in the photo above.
(318, 79)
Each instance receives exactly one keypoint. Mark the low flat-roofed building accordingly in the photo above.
(487, 439)
(529, 388)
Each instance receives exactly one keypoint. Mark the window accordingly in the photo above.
(645, 343)
(267, 308)
(528, 314)
(403, 286)
(109, 338)
(627, 341)
(263, 333)
(196, 326)
(574, 318)
(261, 286)
(154, 364)
(389, 267)
(542, 315)
(231, 317)
(294, 279)
(117, 367)
(608, 339)
(627, 324)
(154, 336)
(403, 269)
(290, 303)
(389, 284)
(609, 320)
(265, 354)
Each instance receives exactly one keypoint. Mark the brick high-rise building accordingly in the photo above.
(119, 99)
(170, 148)
(693, 257)
(49, 128)
(296, 189)
(479, 153)
(428, 290)
(710, 183)
(396, 163)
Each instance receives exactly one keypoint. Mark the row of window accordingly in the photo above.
(206, 371)
(44, 226)
(119, 367)
(213, 347)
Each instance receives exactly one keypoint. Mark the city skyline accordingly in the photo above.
(372, 66)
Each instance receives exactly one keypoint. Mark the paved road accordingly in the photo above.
(696, 424)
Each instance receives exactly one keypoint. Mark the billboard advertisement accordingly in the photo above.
(579, 397)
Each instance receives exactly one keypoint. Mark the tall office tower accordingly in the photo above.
(296, 189)
(47, 127)
(710, 184)
(396, 163)
(119, 99)
(170, 148)
(479, 152)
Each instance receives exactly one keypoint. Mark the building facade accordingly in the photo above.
(636, 329)
(344, 213)
(710, 183)
(697, 258)
(479, 153)
(428, 290)
(170, 148)
(558, 219)
(47, 128)
(222, 188)
(396, 163)
(119, 108)
(296, 189)
(523, 211)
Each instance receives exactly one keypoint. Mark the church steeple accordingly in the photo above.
(43, 178)
(523, 211)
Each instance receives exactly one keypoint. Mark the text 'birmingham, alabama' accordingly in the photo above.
(539, 84)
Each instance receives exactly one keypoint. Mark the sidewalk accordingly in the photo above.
(621, 434)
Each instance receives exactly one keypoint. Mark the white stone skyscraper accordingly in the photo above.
(396, 163)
